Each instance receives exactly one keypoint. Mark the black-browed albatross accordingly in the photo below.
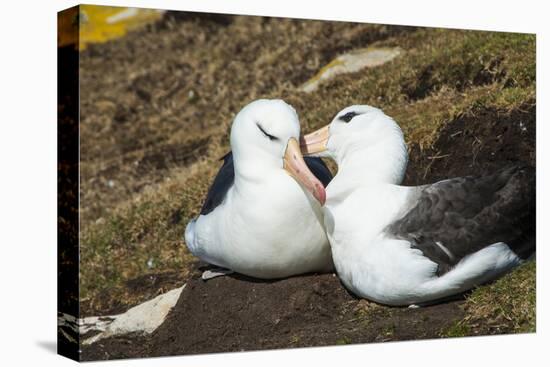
(262, 216)
(402, 245)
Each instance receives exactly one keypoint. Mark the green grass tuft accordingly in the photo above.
(457, 329)
(505, 306)
(343, 341)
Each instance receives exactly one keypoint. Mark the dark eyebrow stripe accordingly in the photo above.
(271, 137)
(348, 116)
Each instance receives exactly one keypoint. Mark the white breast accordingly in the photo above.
(368, 262)
(270, 230)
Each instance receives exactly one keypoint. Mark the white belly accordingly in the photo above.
(274, 232)
(384, 270)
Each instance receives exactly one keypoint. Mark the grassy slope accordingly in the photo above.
(505, 306)
(144, 174)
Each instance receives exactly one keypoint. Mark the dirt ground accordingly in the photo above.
(156, 107)
(239, 314)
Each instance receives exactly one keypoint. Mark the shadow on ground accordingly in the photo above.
(50, 346)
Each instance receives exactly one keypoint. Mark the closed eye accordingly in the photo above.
(271, 137)
(348, 116)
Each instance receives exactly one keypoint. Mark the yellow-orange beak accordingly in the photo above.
(295, 165)
(315, 142)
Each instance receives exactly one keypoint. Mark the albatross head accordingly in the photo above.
(363, 138)
(264, 137)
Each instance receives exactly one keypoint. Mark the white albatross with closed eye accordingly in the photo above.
(401, 245)
(262, 216)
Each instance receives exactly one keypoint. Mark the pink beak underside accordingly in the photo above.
(295, 165)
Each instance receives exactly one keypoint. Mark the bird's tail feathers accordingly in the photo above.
(478, 268)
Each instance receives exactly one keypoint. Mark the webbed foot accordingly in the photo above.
(215, 272)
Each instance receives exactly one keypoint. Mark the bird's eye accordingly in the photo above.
(271, 137)
(348, 116)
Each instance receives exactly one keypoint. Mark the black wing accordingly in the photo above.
(319, 169)
(223, 181)
(454, 218)
(226, 176)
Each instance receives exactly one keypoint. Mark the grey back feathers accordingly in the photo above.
(226, 176)
(451, 219)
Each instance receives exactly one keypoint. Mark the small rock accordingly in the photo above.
(351, 62)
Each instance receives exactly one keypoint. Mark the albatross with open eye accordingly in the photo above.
(262, 215)
(403, 245)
